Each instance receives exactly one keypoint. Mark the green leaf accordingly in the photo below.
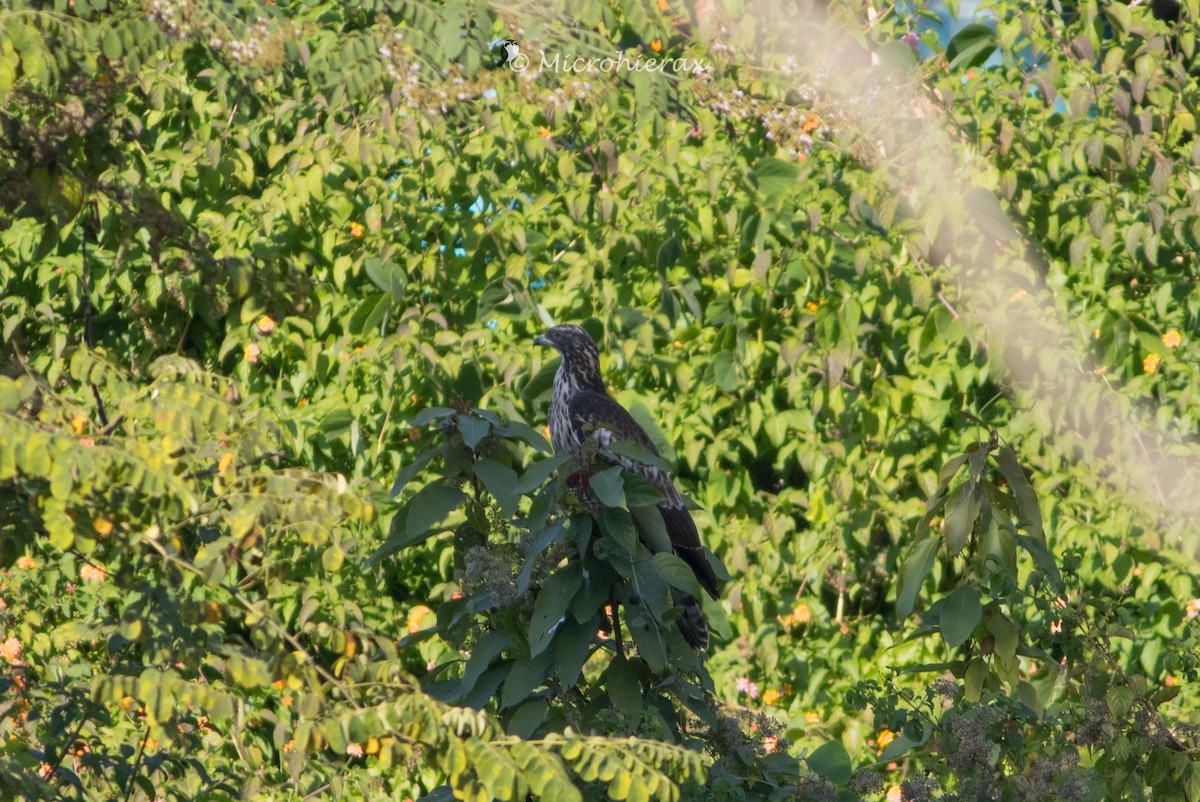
(549, 535)
(971, 46)
(524, 676)
(573, 647)
(336, 420)
(430, 414)
(960, 613)
(962, 508)
(638, 453)
(916, 568)
(514, 428)
(989, 215)
(897, 55)
(1043, 559)
(111, 46)
(536, 474)
(501, 482)
(10, 395)
(412, 469)
(332, 558)
(618, 525)
(1022, 490)
(431, 505)
(609, 487)
(831, 761)
(676, 573)
(473, 429)
(550, 609)
(652, 528)
(387, 276)
(774, 176)
(485, 652)
(624, 687)
(725, 371)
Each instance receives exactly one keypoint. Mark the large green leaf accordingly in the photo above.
(959, 614)
(917, 566)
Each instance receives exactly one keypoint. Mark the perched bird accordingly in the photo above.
(580, 407)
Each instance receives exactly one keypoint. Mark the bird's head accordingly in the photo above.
(578, 349)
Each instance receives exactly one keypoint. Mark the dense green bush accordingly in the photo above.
(914, 323)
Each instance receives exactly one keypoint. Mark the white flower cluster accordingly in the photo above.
(172, 17)
(249, 49)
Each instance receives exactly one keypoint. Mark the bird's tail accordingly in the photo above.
(692, 623)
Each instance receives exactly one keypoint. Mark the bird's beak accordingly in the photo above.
(541, 340)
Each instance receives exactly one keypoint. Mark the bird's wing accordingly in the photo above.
(599, 416)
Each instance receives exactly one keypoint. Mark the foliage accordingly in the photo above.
(243, 247)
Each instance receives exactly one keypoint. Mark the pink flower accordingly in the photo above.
(266, 324)
(92, 573)
(355, 750)
(251, 352)
(10, 650)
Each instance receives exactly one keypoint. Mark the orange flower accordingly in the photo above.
(894, 794)
(770, 697)
(418, 618)
(1171, 681)
(26, 563)
(812, 717)
(656, 45)
(225, 461)
(103, 527)
(10, 650)
(1172, 339)
(811, 123)
(356, 230)
(662, 5)
(78, 423)
(1150, 363)
(251, 352)
(886, 736)
(92, 573)
(811, 306)
(287, 701)
(266, 324)
(544, 132)
(770, 743)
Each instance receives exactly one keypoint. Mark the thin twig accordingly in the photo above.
(87, 310)
(920, 267)
(136, 763)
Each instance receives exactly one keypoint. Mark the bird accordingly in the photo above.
(581, 408)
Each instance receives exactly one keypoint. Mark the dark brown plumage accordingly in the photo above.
(580, 407)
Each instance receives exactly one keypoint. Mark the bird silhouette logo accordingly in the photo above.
(510, 55)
